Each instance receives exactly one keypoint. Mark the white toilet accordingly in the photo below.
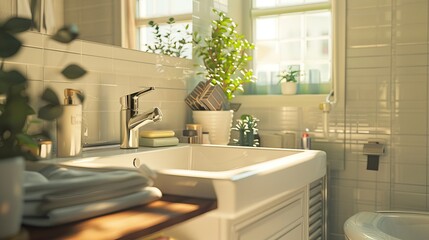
(387, 226)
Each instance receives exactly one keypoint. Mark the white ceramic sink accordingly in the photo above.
(237, 176)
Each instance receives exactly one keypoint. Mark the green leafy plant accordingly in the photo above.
(289, 75)
(224, 55)
(247, 128)
(171, 41)
(15, 107)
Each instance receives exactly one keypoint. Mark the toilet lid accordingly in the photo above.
(364, 225)
(388, 226)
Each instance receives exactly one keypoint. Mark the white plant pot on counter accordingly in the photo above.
(216, 123)
(11, 196)
(288, 88)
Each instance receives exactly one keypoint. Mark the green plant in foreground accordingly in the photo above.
(289, 75)
(224, 55)
(170, 42)
(14, 101)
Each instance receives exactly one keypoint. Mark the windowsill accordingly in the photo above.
(300, 100)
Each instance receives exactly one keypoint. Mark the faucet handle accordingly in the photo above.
(131, 100)
(137, 94)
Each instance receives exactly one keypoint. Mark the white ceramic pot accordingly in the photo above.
(288, 88)
(11, 196)
(217, 123)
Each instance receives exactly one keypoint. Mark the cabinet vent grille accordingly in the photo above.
(316, 212)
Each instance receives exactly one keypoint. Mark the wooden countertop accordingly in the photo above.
(131, 223)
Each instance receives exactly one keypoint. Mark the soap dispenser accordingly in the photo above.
(306, 140)
(69, 125)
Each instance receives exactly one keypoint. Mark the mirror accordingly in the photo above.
(109, 22)
(98, 20)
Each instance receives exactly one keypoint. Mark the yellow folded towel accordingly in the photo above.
(157, 134)
(159, 142)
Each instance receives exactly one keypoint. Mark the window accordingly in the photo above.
(292, 34)
(160, 11)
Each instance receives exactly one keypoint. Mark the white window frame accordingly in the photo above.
(338, 62)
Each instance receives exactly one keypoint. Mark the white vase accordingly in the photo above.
(216, 123)
(288, 88)
(11, 196)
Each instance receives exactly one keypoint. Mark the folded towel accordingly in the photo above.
(88, 210)
(50, 186)
(50, 202)
(64, 183)
(157, 133)
(158, 142)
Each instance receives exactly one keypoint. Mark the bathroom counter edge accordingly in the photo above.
(131, 223)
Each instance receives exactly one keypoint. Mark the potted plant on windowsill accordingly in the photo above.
(224, 57)
(14, 112)
(288, 81)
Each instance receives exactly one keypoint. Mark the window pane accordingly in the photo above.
(267, 52)
(290, 2)
(318, 24)
(180, 7)
(317, 73)
(316, 79)
(267, 80)
(146, 36)
(290, 26)
(290, 51)
(153, 9)
(318, 49)
(265, 3)
(157, 8)
(266, 28)
(301, 40)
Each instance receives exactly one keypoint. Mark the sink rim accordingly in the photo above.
(279, 163)
(250, 170)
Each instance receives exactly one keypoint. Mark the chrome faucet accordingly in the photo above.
(132, 121)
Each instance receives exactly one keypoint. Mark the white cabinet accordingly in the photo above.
(294, 215)
(280, 219)
(294, 234)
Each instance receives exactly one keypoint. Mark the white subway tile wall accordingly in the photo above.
(112, 73)
(386, 98)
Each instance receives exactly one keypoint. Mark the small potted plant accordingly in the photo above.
(247, 129)
(224, 63)
(15, 111)
(288, 81)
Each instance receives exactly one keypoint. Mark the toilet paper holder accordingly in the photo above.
(373, 149)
